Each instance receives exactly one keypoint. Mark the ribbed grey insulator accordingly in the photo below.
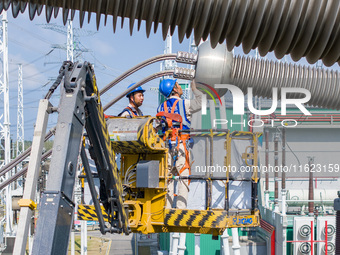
(262, 75)
(301, 28)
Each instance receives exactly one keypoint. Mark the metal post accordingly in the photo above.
(276, 174)
(32, 176)
(236, 244)
(197, 244)
(267, 166)
(311, 187)
(225, 243)
(175, 241)
(337, 219)
(83, 237)
(326, 238)
(69, 45)
(30, 239)
(72, 243)
(181, 245)
(283, 182)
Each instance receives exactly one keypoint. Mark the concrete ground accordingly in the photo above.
(105, 244)
(122, 245)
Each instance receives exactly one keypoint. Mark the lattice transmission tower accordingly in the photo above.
(5, 143)
(73, 47)
(20, 118)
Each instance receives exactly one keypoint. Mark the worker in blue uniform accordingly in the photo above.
(179, 157)
(136, 98)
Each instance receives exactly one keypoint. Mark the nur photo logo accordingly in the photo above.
(239, 104)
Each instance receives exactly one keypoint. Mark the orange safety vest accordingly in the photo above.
(182, 137)
(130, 111)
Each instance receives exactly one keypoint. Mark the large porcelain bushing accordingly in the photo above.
(213, 67)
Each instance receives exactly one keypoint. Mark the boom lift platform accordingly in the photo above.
(133, 197)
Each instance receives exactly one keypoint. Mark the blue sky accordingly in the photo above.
(111, 54)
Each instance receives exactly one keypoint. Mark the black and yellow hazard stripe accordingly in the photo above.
(129, 147)
(88, 213)
(208, 134)
(118, 187)
(207, 219)
(146, 141)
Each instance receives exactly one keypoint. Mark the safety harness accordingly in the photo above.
(130, 111)
(174, 135)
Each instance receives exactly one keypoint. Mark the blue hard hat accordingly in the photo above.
(139, 89)
(166, 86)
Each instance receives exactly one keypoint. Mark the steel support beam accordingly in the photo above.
(32, 176)
(56, 207)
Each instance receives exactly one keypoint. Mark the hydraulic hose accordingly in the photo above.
(180, 57)
(140, 83)
(301, 28)
(136, 68)
(178, 72)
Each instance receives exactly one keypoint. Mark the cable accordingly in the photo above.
(136, 68)
(140, 83)
(278, 129)
(31, 33)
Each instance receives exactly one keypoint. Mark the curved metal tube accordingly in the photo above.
(301, 28)
(140, 83)
(23, 171)
(23, 155)
(135, 69)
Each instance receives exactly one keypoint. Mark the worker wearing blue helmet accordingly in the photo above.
(185, 107)
(136, 98)
(179, 156)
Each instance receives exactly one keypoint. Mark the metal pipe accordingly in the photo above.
(175, 242)
(276, 174)
(337, 234)
(135, 69)
(23, 171)
(207, 186)
(307, 200)
(182, 73)
(283, 180)
(23, 155)
(236, 244)
(283, 158)
(225, 243)
(83, 247)
(180, 57)
(266, 134)
(140, 83)
(311, 187)
(197, 244)
(300, 28)
(181, 246)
